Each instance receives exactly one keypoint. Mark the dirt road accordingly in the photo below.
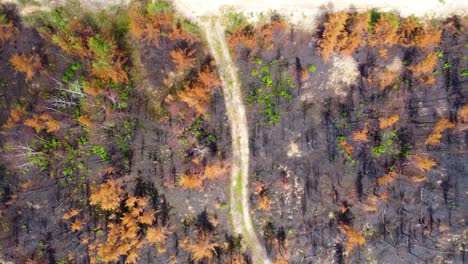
(239, 202)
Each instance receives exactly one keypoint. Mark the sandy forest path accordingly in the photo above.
(239, 202)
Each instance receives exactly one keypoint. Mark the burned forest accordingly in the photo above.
(139, 134)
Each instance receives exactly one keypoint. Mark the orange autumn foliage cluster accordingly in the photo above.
(73, 39)
(334, 34)
(127, 234)
(216, 170)
(345, 32)
(150, 27)
(269, 31)
(281, 260)
(346, 147)
(436, 134)
(414, 33)
(426, 66)
(72, 213)
(107, 195)
(264, 202)
(203, 249)
(244, 36)
(85, 121)
(212, 171)
(463, 113)
(384, 180)
(385, 31)
(92, 88)
(80, 40)
(198, 93)
(423, 163)
(353, 237)
(183, 59)
(28, 65)
(16, 114)
(357, 29)
(386, 122)
(361, 135)
(418, 178)
(191, 181)
(386, 78)
(156, 235)
(43, 121)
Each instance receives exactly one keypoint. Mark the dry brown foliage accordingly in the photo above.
(156, 235)
(107, 195)
(334, 34)
(25, 184)
(204, 249)
(269, 32)
(149, 27)
(264, 202)
(208, 78)
(179, 33)
(414, 33)
(183, 59)
(423, 163)
(358, 25)
(387, 78)
(43, 121)
(216, 170)
(436, 134)
(197, 94)
(386, 122)
(371, 204)
(6, 30)
(244, 36)
(93, 88)
(361, 135)
(28, 65)
(418, 178)
(76, 226)
(384, 180)
(383, 53)
(85, 121)
(71, 213)
(125, 235)
(281, 260)
(385, 31)
(190, 181)
(426, 66)
(75, 40)
(463, 113)
(16, 115)
(353, 237)
(346, 146)
(114, 72)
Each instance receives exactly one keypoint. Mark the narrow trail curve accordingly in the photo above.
(239, 202)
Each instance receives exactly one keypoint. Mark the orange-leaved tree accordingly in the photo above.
(334, 34)
(107, 195)
(6, 28)
(353, 238)
(358, 26)
(191, 181)
(183, 59)
(204, 248)
(27, 64)
(386, 122)
(385, 31)
(436, 134)
(423, 163)
(197, 94)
